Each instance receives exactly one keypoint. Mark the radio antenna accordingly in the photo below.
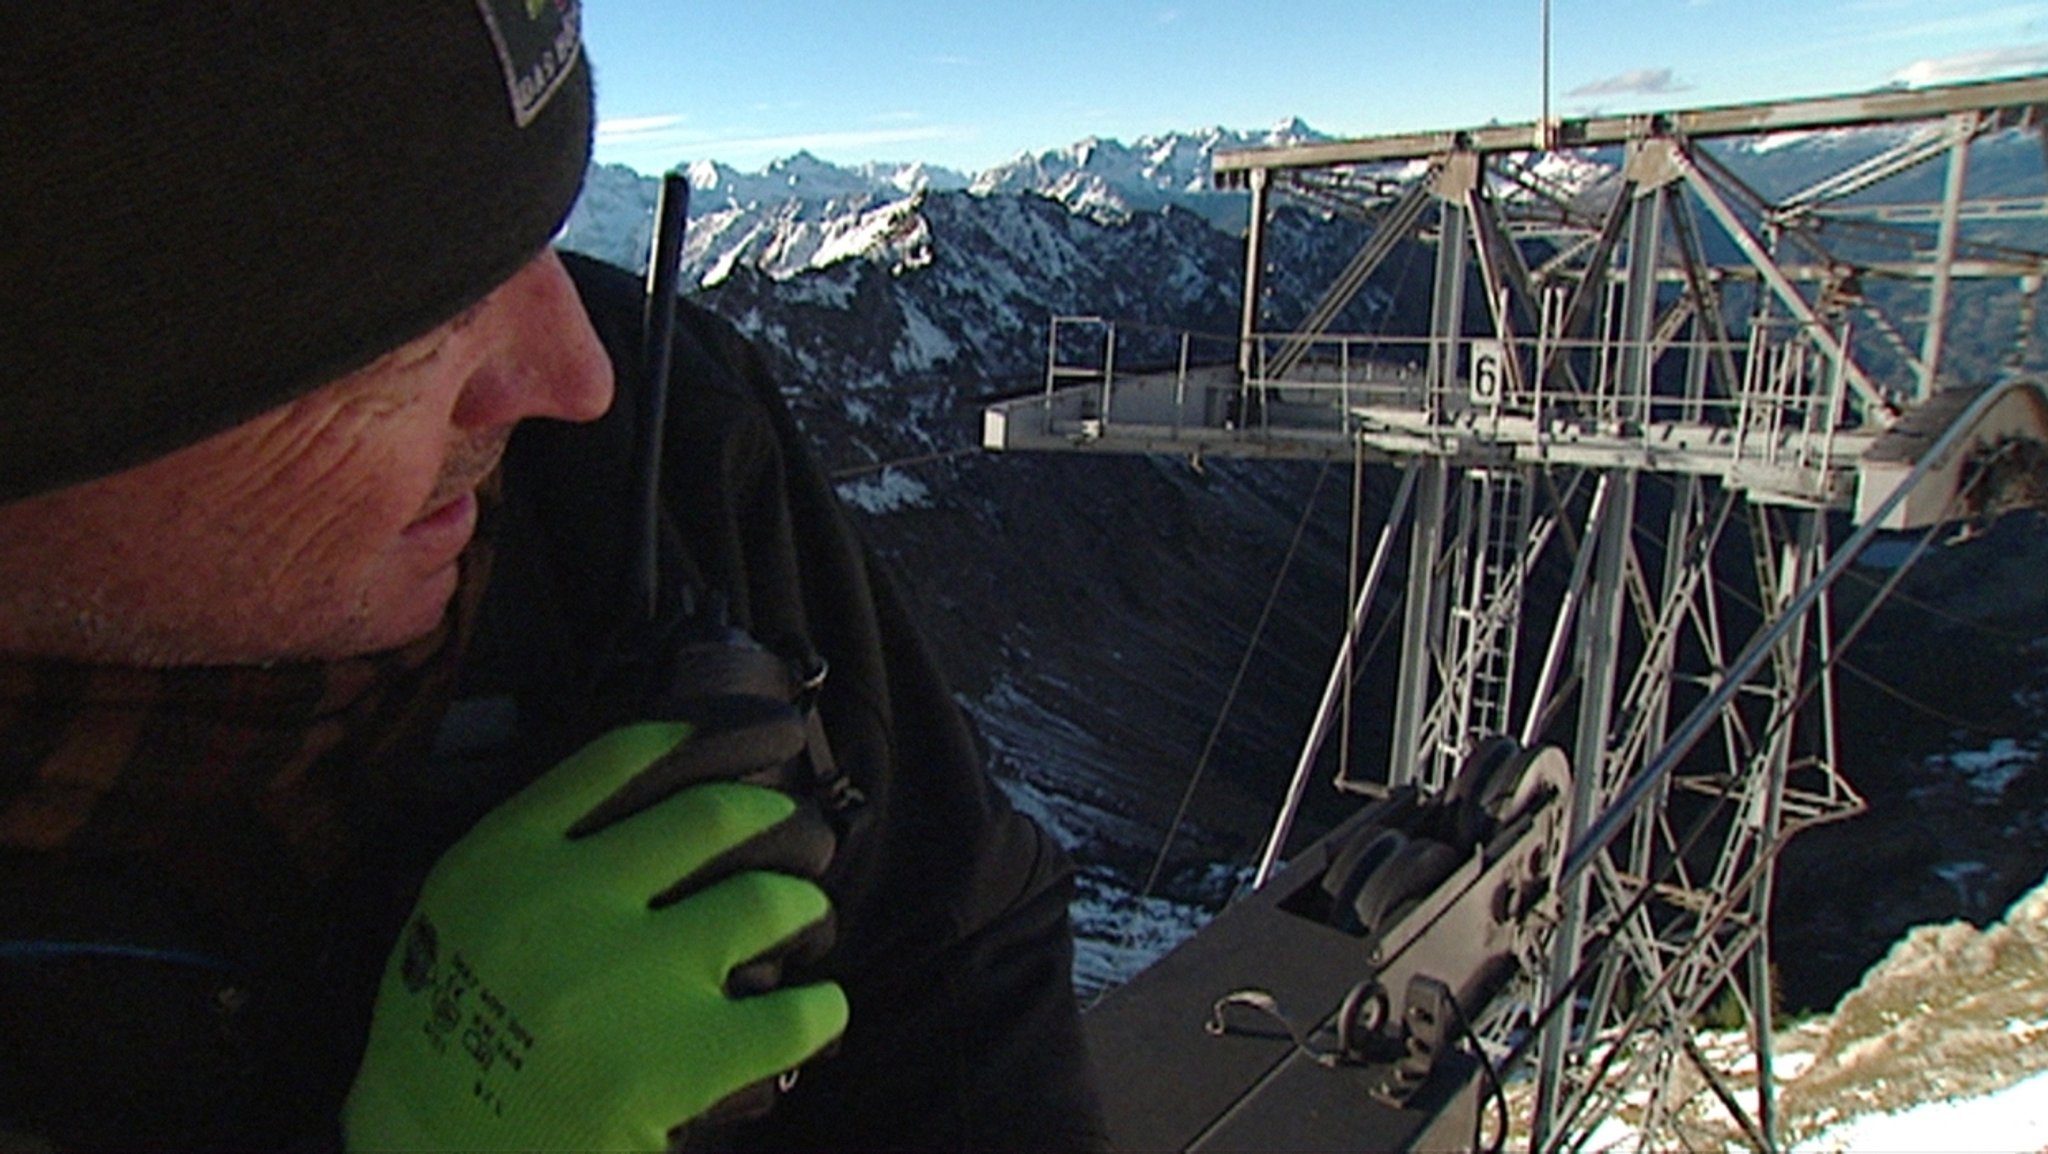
(664, 270)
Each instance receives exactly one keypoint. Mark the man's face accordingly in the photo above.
(327, 528)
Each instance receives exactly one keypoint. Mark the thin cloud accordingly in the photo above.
(623, 129)
(1974, 65)
(1168, 16)
(1640, 82)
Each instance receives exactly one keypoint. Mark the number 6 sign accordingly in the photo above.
(1489, 371)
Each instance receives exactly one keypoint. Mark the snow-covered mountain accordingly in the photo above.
(803, 213)
(1108, 180)
(799, 213)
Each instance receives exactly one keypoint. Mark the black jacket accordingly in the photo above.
(953, 940)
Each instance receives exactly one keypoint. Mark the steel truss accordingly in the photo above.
(1635, 408)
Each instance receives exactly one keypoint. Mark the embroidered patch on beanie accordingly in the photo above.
(537, 41)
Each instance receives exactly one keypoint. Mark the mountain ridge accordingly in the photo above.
(800, 213)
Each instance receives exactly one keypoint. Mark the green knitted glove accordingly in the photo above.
(539, 1001)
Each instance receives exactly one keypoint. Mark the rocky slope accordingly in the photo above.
(1951, 1011)
(1941, 1046)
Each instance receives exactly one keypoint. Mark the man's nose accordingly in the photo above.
(548, 361)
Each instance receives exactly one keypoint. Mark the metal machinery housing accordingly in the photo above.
(1659, 385)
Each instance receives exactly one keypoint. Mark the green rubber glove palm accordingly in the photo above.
(539, 1001)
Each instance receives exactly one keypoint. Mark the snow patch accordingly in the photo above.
(1118, 933)
(2014, 1119)
(890, 492)
(1966, 878)
(831, 292)
(1778, 141)
(1990, 770)
(924, 345)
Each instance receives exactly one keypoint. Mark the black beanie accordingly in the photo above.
(211, 207)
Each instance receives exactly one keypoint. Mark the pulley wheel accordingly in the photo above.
(1361, 857)
(1411, 873)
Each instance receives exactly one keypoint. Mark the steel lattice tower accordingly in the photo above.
(1655, 390)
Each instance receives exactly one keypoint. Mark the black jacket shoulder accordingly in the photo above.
(954, 943)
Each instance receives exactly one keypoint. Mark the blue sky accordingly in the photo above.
(971, 84)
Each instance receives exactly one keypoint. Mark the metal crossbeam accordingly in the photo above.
(1855, 111)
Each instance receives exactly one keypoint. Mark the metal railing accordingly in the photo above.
(1787, 424)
